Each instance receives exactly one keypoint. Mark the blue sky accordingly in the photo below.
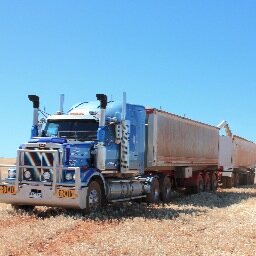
(193, 58)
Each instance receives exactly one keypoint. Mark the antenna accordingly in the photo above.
(124, 106)
(61, 103)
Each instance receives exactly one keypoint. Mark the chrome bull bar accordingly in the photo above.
(54, 192)
(56, 167)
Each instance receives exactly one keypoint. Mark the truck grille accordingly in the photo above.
(38, 165)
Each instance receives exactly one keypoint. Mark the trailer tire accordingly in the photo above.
(252, 178)
(245, 179)
(224, 182)
(199, 187)
(207, 183)
(93, 197)
(166, 189)
(153, 196)
(237, 179)
(233, 180)
(214, 182)
(230, 182)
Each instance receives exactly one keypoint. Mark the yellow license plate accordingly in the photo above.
(66, 193)
(7, 190)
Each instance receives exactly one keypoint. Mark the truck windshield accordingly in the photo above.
(83, 130)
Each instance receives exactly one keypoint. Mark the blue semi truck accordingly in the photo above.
(100, 152)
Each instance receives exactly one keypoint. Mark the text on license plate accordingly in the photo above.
(66, 193)
(7, 190)
(35, 193)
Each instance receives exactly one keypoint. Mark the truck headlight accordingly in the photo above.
(47, 175)
(27, 174)
(12, 173)
(69, 176)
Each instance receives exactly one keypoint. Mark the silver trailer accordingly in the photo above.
(244, 155)
(237, 158)
(177, 141)
(182, 150)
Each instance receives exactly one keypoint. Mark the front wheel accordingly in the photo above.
(93, 197)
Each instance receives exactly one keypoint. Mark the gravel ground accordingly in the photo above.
(221, 223)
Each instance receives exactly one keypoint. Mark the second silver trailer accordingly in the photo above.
(237, 159)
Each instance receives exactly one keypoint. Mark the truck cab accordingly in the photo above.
(81, 158)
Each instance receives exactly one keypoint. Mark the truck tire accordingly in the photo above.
(235, 179)
(166, 189)
(252, 178)
(207, 183)
(199, 186)
(26, 208)
(214, 182)
(245, 179)
(230, 181)
(153, 196)
(93, 197)
(224, 181)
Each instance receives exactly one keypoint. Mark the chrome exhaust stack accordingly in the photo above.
(100, 147)
(35, 100)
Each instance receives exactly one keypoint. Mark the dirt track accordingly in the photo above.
(208, 224)
(223, 223)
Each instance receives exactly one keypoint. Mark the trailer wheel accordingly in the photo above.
(252, 178)
(237, 179)
(230, 182)
(166, 189)
(214, 182)
(245, 179)
(93, 197)
(153, 196)
(199, 184)
(26, 208)
(207, 183)
(224, 182)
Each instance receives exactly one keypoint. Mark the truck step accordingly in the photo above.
(126, 199)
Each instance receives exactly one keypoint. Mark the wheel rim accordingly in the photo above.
(156, 195)
(156, 191)
(165, 192)
(94, 200)
(201, 187)
(168, 192)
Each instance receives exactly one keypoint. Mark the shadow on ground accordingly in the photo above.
(220, 199)
(181, 205)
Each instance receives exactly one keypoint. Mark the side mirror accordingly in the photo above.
(112, 120)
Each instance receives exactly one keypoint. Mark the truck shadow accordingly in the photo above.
(122, 211)
(181, 206)
(219, 199)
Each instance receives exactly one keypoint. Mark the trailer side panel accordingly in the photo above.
(244, 153)
(176, 141)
